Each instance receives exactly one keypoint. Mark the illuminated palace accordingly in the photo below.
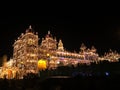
(29, 56)
(54, 52)
(25, 52)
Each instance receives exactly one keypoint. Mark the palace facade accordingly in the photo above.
(27, 53)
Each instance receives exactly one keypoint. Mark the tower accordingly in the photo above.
(60, 46)
(48, 48)
(49, 42)
(25, 53)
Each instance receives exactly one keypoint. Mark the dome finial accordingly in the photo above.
(49, 32)
(30, 27)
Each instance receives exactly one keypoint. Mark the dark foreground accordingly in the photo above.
(63, 83)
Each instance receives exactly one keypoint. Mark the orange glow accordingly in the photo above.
(42, 65)
(9, 74)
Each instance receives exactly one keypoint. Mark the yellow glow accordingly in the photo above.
(42, 65)
(48, 54)
(21, 62)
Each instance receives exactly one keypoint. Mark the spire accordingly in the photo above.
(49, 32)
(60, 45)
(30, 27)
(48, 35)
(83, 47)
(55, 38)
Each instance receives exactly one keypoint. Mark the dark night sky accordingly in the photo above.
(101, 31)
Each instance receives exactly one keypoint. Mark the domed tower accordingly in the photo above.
(48, 46)
(60, 46)
(25, 53)
(49, 43)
